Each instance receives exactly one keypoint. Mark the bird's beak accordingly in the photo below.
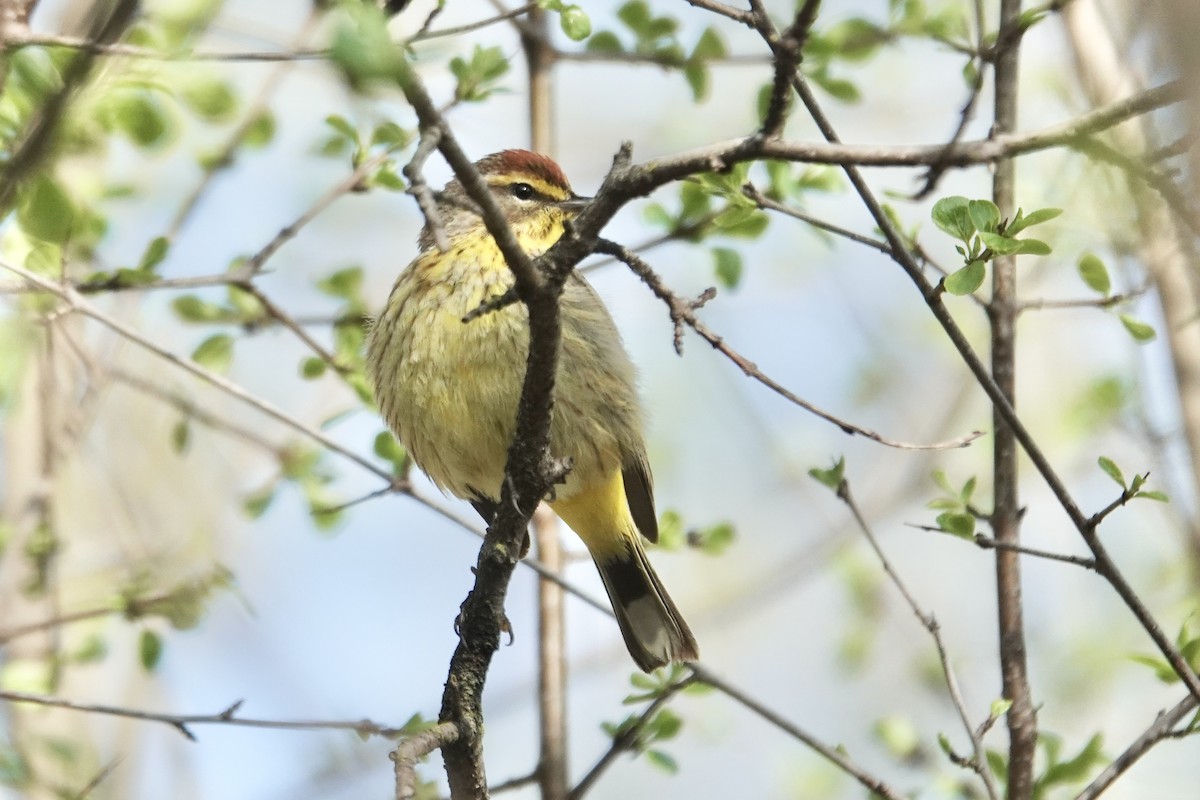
(574, 203)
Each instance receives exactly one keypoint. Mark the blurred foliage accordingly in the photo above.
(62, 218)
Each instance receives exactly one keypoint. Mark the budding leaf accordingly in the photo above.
(958, 524)
(966, 280)
(1141, 331)
(215, 352)
(1035, 218)
(728, 266)
(1094, 274)
(575, 23)
(149, 650)
(1111, 470)
(953, 216)
(984, 215)
(831, 477)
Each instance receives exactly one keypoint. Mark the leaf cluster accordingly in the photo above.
(957, 516)
(657, 38)
(983, 236)
(673, 534)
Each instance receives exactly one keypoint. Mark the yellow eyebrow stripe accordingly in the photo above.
(543, 187)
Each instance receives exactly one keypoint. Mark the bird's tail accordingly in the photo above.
(654, 630)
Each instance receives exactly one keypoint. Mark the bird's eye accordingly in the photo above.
(522, 191)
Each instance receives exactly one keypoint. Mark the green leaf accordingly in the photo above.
(44, 210)
(156, 251)
(345, 284)
(1111, 470)
(389, 449)
(141, 116)
(741, 222)
(181, 435)
(1162, 669)
(972, 77)
(1020, 223)
(605, 42)
(342, 126)
(575, 23)
(715, 540)
(663, 761)
(477, 77)
(1000, 245)
(387, 178)
(150, 649)
(670, 530)
(1078, 768)
(998, 764)
(898, 735)
(255, 504)
(944, 504)
(696, 74)
(939, 477)
(191, 308)
(953, 216)
(635, 14)
(708, 46)
(390, 135)
(1141, 331)
(215, 352)
(856, 39)
(958, 524)
(211, 99)
(1155, 495)
(1094, 274)
(985, 215)
(261, 130)
(831, 477)
(966, 280)
(312, 368)
(665, 725)
(728, 266)
(1033, 247)
(362, 48)
(1000, 707)
(837, 88)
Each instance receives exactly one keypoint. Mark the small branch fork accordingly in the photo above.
(683, 313)
(977, 763)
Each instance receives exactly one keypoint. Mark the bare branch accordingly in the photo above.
(978, 762)
(182, 722)
(77, 303)
(1162, 728)
(683, 312)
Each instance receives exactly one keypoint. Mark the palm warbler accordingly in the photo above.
(449, 390)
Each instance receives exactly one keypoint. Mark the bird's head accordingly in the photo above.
(530, 189)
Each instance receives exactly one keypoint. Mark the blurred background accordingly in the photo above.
(128, 484)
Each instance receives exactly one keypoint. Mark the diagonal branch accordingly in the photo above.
(683, 313)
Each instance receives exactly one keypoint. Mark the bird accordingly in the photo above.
(448, 388)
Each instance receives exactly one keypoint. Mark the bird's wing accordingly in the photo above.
(639, 493)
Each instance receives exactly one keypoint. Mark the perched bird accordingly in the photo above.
(449, 389)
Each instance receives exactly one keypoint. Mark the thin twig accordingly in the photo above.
(834, 755)
(627, 739)
(1162, 728)
(78, 303)
(683, 313)
(978, 762)
(182, 722)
